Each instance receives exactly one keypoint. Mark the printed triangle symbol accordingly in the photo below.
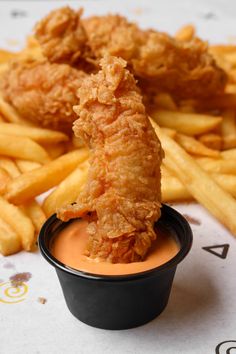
(222, 250)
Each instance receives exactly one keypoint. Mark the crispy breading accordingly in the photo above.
(122, 194)
(61, 35)
(42, 92)
(159, 61)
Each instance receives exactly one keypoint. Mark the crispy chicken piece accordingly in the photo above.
(122, 195)
(42, 92)
(160, 62)
(61, 35)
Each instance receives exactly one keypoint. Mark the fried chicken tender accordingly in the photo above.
(61, 35)
(42, 92)
(122, 195)
(185, 69)
(159, 62)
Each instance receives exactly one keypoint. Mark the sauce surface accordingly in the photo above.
(69, 245)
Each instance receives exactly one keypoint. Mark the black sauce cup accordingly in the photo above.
(124, 301)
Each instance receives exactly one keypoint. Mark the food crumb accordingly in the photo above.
(191, 219)
(42, 300)
(19, 278)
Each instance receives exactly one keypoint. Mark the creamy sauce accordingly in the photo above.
(69, 245)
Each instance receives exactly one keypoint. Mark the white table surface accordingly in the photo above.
(201, 312)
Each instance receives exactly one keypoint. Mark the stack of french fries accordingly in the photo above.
(198, 137)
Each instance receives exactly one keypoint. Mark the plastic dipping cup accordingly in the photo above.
(124, 301)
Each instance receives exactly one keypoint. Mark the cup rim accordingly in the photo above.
(167, 213)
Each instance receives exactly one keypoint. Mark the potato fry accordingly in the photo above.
(194, 147)
(165, 101)
(55, 150)
(34, 211)
(43, 136)
(217, 165)
(3, 67)
(66, 192)
(33, 183)
(5, 55)
(11, 115)
(9, 166)
(10, 242)
(223, 48)
(228, 129)
(201, 186)
(22, 147)
(185, 33)
(19, 222)
(170, 132)
(186, 123)
(173, 190)
(230, 88)
(4, 179)
(26, 166)
(229, 154)
(212, 141)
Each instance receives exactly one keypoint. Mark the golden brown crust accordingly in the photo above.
(185, 69)
(42, 92)
(122, 194)
(61, 35)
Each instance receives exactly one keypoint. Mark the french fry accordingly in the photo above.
(212, 141)
(217, 165)
(19, 222)
(230, 88)
(43, 136)
(222, 48)
(11, 115)
(55, 150)
(201, 186)
(5, 55)
(165, 101)
(186, 123)
(34, 211)
(10, 242)
(22, 147)
(185, 33)
(229, 154)
(10, 166)
(66, 192)
(173, 190)
(26, 166)
(228, 129)
(3, 67)
(170, 132)
(194, 147)
(33, 183)
(4, 179)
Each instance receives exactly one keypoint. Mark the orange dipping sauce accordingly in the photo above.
(69, 245)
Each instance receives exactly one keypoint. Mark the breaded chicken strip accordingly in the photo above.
(43, 92)
(158, 61)
(185, 69)
(61, 35)
(122, 194)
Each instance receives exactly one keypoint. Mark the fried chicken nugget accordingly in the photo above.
(122, 195)
(43, 92)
